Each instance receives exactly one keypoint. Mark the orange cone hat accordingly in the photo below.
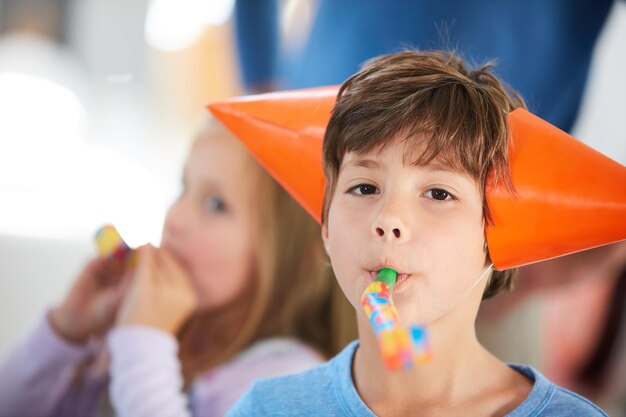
(284, 131)
(569, 197)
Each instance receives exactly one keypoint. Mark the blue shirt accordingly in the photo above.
(328, 390)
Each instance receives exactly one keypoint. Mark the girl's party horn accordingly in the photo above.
(400, 347)
(111, 245)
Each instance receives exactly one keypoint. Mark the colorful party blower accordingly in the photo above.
(400, 347)
(111, 245)
(568, 198)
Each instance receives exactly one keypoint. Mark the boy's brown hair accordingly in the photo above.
(461, 112)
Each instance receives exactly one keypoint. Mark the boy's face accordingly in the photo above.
(424, 222)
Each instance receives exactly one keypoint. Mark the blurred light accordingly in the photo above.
(104, 188)
(53, 185)
(42, 122)
(115, 189)
(176, 24)
(296, 18)
(119, 78)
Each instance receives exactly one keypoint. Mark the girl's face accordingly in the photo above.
(209, 228)
(424, 222)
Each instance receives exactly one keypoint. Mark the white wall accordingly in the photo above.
(602, 120)
(34, 274)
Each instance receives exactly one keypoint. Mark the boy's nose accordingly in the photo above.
(390, 228)
(396, 232)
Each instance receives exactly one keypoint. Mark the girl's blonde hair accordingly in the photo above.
(293, 294)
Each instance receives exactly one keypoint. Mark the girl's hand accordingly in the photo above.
(90, 307)
(160, 294)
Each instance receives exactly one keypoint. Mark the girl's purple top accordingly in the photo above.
(143, 378)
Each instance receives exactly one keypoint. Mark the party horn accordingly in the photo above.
(111, 245)
(400, 347)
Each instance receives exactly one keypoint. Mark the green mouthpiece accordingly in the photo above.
(388, 276)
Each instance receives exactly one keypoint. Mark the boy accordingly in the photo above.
(406, 155)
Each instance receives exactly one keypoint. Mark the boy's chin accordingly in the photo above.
(421, 313)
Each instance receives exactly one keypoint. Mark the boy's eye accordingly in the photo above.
(364, 189)
(439, 194)
(215, 204)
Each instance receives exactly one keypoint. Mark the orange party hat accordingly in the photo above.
(284, 131)
(568, 198)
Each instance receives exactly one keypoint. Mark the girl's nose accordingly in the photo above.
(175, 220)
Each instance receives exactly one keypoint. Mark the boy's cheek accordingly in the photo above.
(343, 258)
(349, 291)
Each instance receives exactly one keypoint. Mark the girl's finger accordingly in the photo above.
(102, 270)
(144, 269)
(172, 270)
(158, 276)
(125, 282)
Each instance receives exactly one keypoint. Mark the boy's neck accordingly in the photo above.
(459, 370)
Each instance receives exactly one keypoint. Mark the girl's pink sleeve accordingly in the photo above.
(146, 380)
(216, 391)
(38, 377)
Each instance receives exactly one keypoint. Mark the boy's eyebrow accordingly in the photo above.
(374, 164)
(363, 163)
(437, 167)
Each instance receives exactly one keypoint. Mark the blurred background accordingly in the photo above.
(99, 100)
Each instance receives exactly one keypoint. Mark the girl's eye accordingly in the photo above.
(215, 204)
(439, 194)
(364, 189)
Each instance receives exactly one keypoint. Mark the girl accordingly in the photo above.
(236, 291)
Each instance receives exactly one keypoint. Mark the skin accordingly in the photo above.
(90, 306)
(427, 224)
(205, 260)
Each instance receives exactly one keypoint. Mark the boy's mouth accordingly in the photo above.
(401, 277)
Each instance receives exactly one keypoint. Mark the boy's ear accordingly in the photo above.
(325, 238)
